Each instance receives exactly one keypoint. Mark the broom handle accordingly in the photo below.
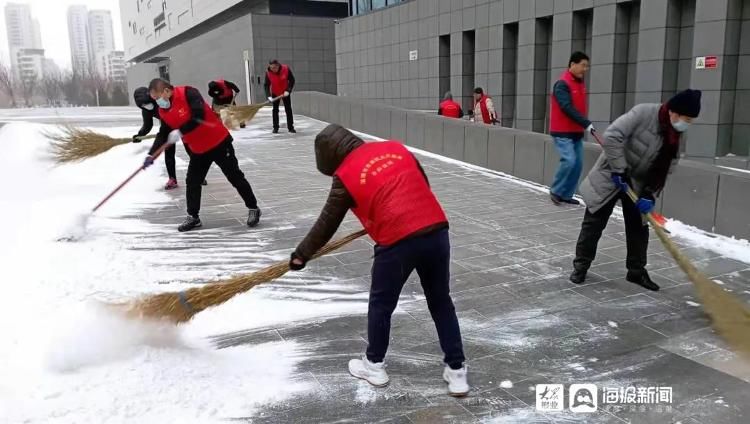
(156, 154)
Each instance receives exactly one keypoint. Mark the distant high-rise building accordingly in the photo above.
(78, 34)
(101, 40)
(24, 41)
(115, 68)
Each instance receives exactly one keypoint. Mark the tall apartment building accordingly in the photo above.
(78, 34)
(24, 41)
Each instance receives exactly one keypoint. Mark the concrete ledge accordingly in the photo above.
(433, 134)
(475, 144)
(733, 204)
(501, 149)
(415, 129)
(528, 158)
(398, 125)
(690, 194)
(454, 136)
(700, 194)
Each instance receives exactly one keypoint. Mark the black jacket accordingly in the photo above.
(215, 91)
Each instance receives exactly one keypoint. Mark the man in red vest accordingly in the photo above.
(449, 108)
(280, 82)
(222, 93)
(184, 114)
(386, 188)
(484, 110)
(567, 125)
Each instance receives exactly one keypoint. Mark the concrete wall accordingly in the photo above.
(709, 197)
(306, 44)
(641, 51)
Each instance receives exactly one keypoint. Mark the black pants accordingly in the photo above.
(636, 234)
(430, 256)
(287, 109)
(223, 156)
(169, 161)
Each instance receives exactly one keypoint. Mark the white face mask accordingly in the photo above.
(680, 125)
(148, 106)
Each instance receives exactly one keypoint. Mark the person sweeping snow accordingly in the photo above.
(149, 112)
(223, 93)
(184, 114)
(640, 150)
(387, 189)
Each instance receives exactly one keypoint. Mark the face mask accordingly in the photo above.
(148, 106)
(163, 103)
(680, 125)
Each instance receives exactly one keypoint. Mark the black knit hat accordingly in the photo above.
(141, 97)
(687, 103)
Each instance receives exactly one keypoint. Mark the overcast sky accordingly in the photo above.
(52, 17)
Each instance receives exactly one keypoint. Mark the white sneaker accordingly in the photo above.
(456, 379)
(374, 373)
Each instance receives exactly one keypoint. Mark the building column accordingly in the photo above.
(525, 75)
(717, 33)
(652, 32)
(603, 53)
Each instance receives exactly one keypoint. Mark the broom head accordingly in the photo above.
(182, 306)
(233, 116)
(73, 144)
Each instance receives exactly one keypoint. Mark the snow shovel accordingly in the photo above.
(730, 317)
(180, 307)
(75, 144)
(80, 226)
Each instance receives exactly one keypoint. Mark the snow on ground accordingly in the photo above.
(63, 358)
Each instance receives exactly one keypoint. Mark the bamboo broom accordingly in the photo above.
(233, 116)
(179, 307)
(73, 144)
(730, 317)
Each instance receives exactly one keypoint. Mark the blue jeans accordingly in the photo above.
(429, 255)
(571, 165)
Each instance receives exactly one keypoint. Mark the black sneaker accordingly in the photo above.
(275, 130)
(555, 199)
(253, 217)
(292, 130)
(578, 276)
(242, 125)
(571, 201)
(189, 223)
(642, 279)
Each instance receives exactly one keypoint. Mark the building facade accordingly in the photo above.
(114, 69)
(24, 42)
(78, 35)
(641, 51)
(194, 42)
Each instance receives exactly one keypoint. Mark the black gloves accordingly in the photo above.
(136, 139)
(296, 266)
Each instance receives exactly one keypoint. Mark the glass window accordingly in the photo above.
(377, 4)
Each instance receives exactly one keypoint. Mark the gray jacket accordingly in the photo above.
(631, 145)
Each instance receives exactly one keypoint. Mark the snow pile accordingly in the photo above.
(737, 249)
(63, 358)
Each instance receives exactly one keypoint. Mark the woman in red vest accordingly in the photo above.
(567, 125)
(484, 110)
(222, 93)
(449, 108)
(184, 114)
(386, 188)
(280, 82)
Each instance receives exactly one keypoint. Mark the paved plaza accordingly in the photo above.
(523, 322)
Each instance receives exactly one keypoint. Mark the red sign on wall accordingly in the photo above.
(711, 62)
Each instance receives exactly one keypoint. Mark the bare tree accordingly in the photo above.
(8, 83)
(52, 84)
(29, 85)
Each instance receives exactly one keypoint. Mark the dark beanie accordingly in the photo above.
(687, 103)
(141, 97)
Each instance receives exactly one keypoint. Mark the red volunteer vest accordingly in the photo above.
(280, 81)
(450, 109)
(209, 134)
(486, 118)
(559, 122)
(226, 92)
(392, 197)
